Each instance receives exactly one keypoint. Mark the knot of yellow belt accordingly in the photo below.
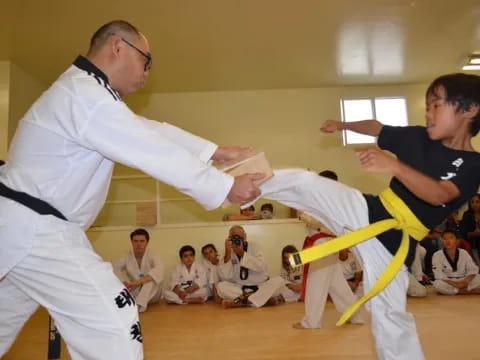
(402, 219)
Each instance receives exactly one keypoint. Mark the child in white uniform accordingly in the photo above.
(454, 269)
(188, 281)
(293, 277)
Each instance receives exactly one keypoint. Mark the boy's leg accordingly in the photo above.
(342, 295)
(318, 282)
(474, 284)
(228, 290)
(94, 313)
(393, 327)
(270, 288)
(415, 289)
(15, 309)
(172, 298)
(330, 202)
(443, 288)
(290, 295)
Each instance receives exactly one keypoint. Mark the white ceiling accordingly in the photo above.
(201, 45)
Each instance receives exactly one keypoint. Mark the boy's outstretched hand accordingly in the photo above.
(375, 160)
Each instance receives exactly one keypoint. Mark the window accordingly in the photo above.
(389, 111)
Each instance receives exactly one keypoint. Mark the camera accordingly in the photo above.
(237, 240)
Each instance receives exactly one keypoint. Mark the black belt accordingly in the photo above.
(33, 203)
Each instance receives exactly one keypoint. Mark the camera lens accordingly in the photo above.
(236, 240)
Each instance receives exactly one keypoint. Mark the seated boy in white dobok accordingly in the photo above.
(246, 278)
(454, 269)
(141, 271)
(293, 277)
(211, 262)
(188, 283)
(352, 271)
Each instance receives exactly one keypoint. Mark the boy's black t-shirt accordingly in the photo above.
(413, 147)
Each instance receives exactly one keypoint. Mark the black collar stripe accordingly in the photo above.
(87, 66)
(453, 263)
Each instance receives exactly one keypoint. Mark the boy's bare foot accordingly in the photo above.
(228, 304)
(274, 301)
(195, 300)
(298, 326)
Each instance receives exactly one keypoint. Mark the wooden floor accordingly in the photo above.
(449, 328)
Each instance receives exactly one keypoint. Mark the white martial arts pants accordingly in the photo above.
(148, 293)
(172, 298)
(325, 276)
(289, 295)
(270, 288)
(446, 289)
(95, 315)
(341, 208)
(415, 289)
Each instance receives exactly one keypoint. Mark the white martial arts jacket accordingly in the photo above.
(442, 268)
(184, 278)
(151, 265)
(253, 260)
(65, 147)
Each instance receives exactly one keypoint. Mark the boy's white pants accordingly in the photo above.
(92, 310)
(341, 209)
(325, 276)
(270, 288)
(446, 289)
(173, 298)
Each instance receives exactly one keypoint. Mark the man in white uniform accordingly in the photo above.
(55, 182)
(141, 271)
(246, 277)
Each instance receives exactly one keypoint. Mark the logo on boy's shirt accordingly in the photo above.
(450, 175)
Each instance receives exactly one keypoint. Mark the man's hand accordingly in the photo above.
(331, 126)
(245, 188)
(374, 160)
(130, 285)
(238, 250)
(226, 153)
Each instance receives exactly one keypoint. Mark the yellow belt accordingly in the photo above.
(403, 219)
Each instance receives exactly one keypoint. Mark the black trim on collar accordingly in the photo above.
(453, 263)
(85, 64)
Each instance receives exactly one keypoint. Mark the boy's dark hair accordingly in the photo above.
(204, 247)
(267, 206)
(329, 174)
(2, 162)
(462, 90)
(288, 249)
(451, 231)
(186, 248)
(140, 232)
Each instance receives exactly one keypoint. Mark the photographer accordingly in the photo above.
(247, 281)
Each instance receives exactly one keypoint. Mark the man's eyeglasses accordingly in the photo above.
(148, 56)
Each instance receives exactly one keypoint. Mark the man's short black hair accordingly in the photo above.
(140, 231)
(2, 162)
(186, 248)
(462, 90)
(329, 174)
